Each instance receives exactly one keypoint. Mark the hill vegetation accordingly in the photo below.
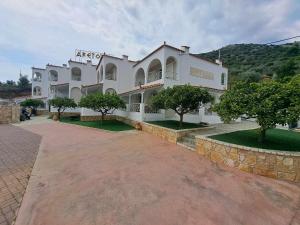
(10, 89)
(255, 61)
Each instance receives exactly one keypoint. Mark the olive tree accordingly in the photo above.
(103, 103)
(270, 103)
(182, 99)
(61, 104)
(34, 103)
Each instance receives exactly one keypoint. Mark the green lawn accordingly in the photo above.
(175, 124)
(276, 139)
(111, 125)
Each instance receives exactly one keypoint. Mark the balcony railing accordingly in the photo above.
(153, 76)
(135, 107)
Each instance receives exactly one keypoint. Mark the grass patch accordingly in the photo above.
(276, 139)
(111, 125)
(172, 124)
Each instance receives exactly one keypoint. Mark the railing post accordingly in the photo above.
(142, 110)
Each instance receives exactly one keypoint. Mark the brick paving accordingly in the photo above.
(86, 176)
(18, 150)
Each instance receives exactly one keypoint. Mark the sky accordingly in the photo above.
(35, 32)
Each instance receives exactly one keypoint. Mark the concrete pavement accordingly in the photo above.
(88, 176)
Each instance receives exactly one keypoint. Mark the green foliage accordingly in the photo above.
(286, 70)
(182, 99)
(61, 104)
(111, 125)
(23, 82)
(270, 103)
(172, 124)
(245, 59)
(277, 139)
(103, 103)
(32, 103)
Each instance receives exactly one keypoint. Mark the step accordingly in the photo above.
(187, 145)
(188, 139)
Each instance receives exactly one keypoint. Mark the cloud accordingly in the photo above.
(50, 31)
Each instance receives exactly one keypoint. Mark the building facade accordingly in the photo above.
(135, 81)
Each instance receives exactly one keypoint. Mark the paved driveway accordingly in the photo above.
(18, 150)
(87, 176)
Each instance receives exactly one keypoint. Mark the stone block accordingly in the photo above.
(216, 157)
(287, 176)
(265, 172)
(245, 168)
(250, 159)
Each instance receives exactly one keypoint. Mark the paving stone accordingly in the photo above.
(18, 150)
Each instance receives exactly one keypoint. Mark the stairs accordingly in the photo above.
(188, 141)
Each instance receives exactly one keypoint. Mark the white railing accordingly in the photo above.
(149, 109)
(135, 107)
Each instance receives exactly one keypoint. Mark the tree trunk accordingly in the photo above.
(102, 119)
(262, 135)
(180, 121)
(58, 114)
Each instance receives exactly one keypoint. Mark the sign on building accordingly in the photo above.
(87, 54)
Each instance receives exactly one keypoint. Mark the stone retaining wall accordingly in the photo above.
(9, 113)
(275, 164)
(51, 114)
(95, 118)
(163, 132)
(42, 112)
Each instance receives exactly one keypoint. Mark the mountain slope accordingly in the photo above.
(244, 60)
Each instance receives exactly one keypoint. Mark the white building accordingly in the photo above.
(135, 81)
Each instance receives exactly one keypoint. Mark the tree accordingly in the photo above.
(103, 103)
(286, 70)
(23, 82)
(32, 103)
(270, 103)
(182, 99)
(61, 104)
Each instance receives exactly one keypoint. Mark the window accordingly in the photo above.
(76, 74)
(53, 75)
(222, 78)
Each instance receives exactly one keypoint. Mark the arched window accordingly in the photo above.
(53, 75)
(76, 74)
(37, 90)
(76, 94)
(111, 71)
(37, 76)
(222, 78)
(154, 71)
(171, 67)
(110, 91)
(139, 77)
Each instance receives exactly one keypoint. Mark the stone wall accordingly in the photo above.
(51, 114)
(96, 118)
(42, 112)
(275, 164)
(9, 113)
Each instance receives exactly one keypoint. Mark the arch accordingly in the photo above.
(110, 71)
(76, 94)
(76, 74)
(37, 90)
(53, 75)
(110, 91)
(37, 76)
(154, 71)
(140, 77)
(171, 68)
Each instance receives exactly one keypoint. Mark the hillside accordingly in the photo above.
(255, 60)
